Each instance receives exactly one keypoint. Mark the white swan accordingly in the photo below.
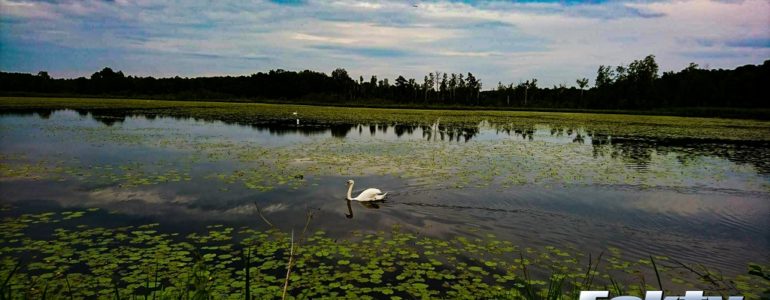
(366, 195)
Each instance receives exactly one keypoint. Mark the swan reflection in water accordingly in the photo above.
(369, 205)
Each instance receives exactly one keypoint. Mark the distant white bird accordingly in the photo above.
(367, 195)
(294, 113)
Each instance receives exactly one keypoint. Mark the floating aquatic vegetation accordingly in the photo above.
(224, 262)
(431, 148)
(500, 162)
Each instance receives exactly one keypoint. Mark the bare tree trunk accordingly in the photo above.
(525, 96)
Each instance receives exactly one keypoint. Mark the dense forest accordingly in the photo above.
(637, 85)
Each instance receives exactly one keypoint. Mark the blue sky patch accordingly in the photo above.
(507, 41)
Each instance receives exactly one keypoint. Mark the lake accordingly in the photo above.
(694, 191)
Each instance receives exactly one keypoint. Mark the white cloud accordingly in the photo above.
(469, 53)
(497, 41)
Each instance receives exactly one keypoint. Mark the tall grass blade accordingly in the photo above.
(288, 268)
(657, 274)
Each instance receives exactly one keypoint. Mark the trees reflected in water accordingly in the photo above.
(635, 151)
(638, 152)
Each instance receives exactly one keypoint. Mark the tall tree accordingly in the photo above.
(582, 84)
(452, 86)
(414, 87)
(436, 82)
(470, 84)
(474, 86)
(528, 85)
(645, 70)
(443, 86)
(343, 81)
(401, 87)
(44, 75)
(604, 76)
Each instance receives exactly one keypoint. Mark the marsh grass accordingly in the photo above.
(251, 113)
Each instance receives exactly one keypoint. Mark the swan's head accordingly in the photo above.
(350, 182)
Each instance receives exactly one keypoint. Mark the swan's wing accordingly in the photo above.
(369, 195)
(380, 197)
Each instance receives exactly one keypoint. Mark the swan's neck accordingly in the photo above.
(350, 190)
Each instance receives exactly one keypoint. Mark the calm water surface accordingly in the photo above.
(696, 201)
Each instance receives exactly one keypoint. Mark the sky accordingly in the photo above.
(498, 41)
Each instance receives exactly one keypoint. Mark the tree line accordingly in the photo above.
(637, 85)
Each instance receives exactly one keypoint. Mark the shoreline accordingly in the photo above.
(762, 114)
